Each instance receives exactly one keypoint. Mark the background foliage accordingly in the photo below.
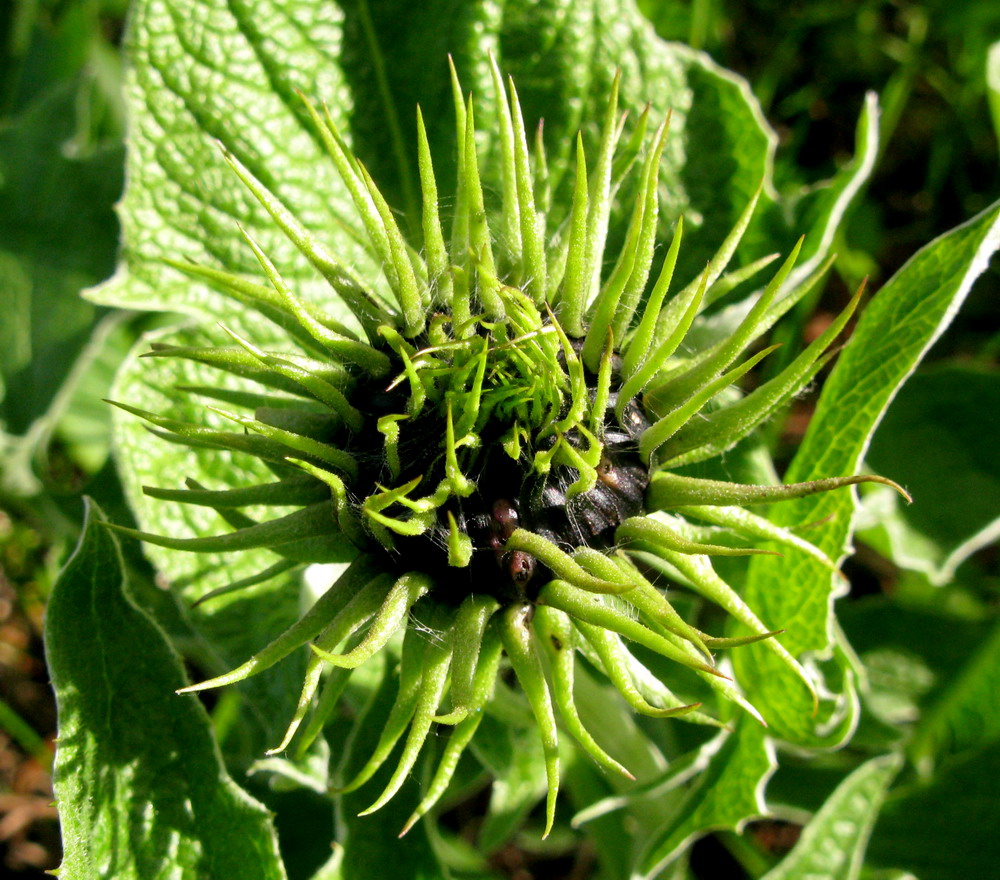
(921, 613)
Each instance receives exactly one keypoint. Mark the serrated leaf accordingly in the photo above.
(895, 331)
(135, 762)
(207, 72)
(832, 845)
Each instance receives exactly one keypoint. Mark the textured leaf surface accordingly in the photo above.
(228, 72)
(141, 789)
(895, 331)
(832, 846)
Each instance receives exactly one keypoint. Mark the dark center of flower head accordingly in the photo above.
(525, 466)
(509, 493)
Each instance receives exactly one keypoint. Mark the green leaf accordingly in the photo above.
(967, 715)
(938, 440)
(182, 201)
(794, 593)
(57, 234)
(76, 416)
(832, 846)
(141, 789)
(945, 829)
(726, 793)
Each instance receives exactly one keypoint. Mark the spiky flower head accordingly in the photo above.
(493, 442)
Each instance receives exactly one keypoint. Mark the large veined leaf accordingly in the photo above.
(796, 592)
(141, 788)
(211, 73)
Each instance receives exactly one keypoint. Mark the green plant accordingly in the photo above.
(503, 401)
(469, 349)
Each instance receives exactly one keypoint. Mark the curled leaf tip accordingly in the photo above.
(885, 481)
(740, 641)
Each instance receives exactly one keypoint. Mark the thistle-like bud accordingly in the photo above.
(493, 441)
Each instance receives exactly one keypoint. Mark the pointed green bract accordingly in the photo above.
(620, 666)
(672, 421)
(533, 263)
(432, 685)
(523, 656)
(555, 634)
